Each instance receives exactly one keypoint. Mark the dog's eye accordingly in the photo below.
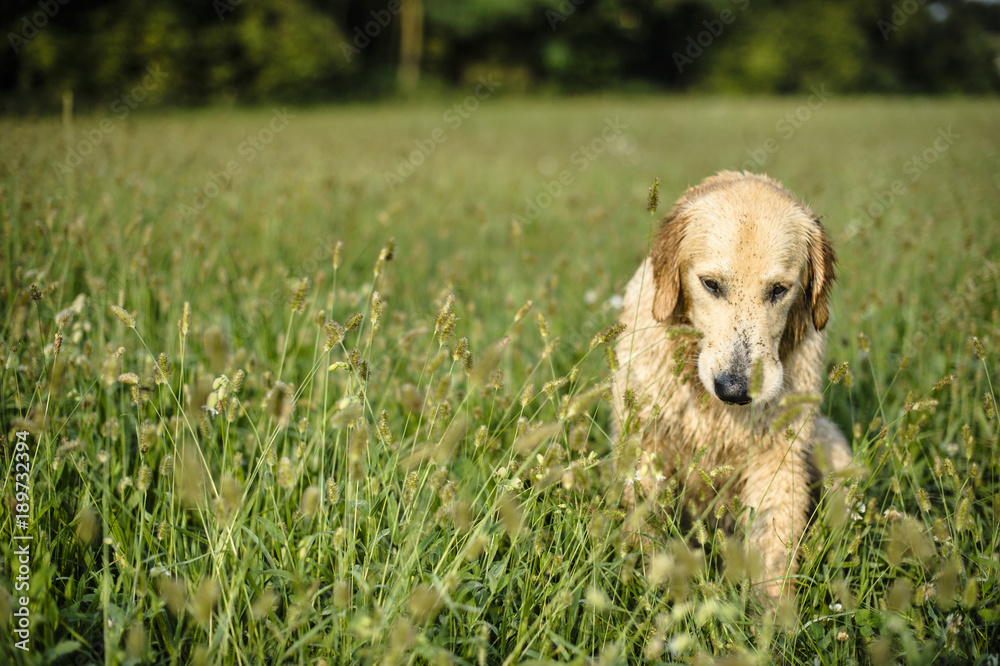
(777, 291)
(711, 286)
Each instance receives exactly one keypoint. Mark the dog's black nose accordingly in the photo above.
(732, 389)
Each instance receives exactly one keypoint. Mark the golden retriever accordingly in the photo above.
(722, 363)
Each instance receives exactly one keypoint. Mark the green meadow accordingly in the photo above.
(330, 385)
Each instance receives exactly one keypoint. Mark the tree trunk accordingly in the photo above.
(411, 43)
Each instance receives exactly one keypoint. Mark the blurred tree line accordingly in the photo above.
(249, 51)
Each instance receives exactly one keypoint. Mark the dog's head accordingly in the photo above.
(750, 267)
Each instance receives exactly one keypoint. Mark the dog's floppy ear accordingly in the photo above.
(668, 295)
(821, 275)
(812, 307)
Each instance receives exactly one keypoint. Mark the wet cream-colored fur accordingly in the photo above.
(725, 319)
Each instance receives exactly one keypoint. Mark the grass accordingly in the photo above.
(263, 432)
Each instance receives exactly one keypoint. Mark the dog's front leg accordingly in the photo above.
(777, 491)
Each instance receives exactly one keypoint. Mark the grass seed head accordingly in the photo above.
(334, 335)
(173, 591)
(375, 313)
(510, 514)
(184, 323)
(653, 202)
(382, 428)
(299, 295)
(143, 478)
(907, 539)
(190, 476)
(609, 335)
(353, 322)
(278, 403)
(977, 346)
(444, 323)
(526, 394)
(161, 371)
(265, 604)
(924, 500)
(88, 526)
(216, 345)
(357, 449)
(864, 344)
(286, 473)
(425, 603)
(338, 252)
(387, 253)
(237, 383)
(900, 594)
(123, 316)
(332, 492)
(522, 311)
(543, 325)
(128, 378)
(838, 373)
(968, 440)
(309, 503)
(204, 600)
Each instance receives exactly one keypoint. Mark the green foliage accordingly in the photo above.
(297, 50)
(398, 460)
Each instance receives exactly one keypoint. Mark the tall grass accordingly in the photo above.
(322, 420)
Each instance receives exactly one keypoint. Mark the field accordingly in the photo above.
(330, 385)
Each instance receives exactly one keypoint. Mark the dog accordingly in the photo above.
(722, 360)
